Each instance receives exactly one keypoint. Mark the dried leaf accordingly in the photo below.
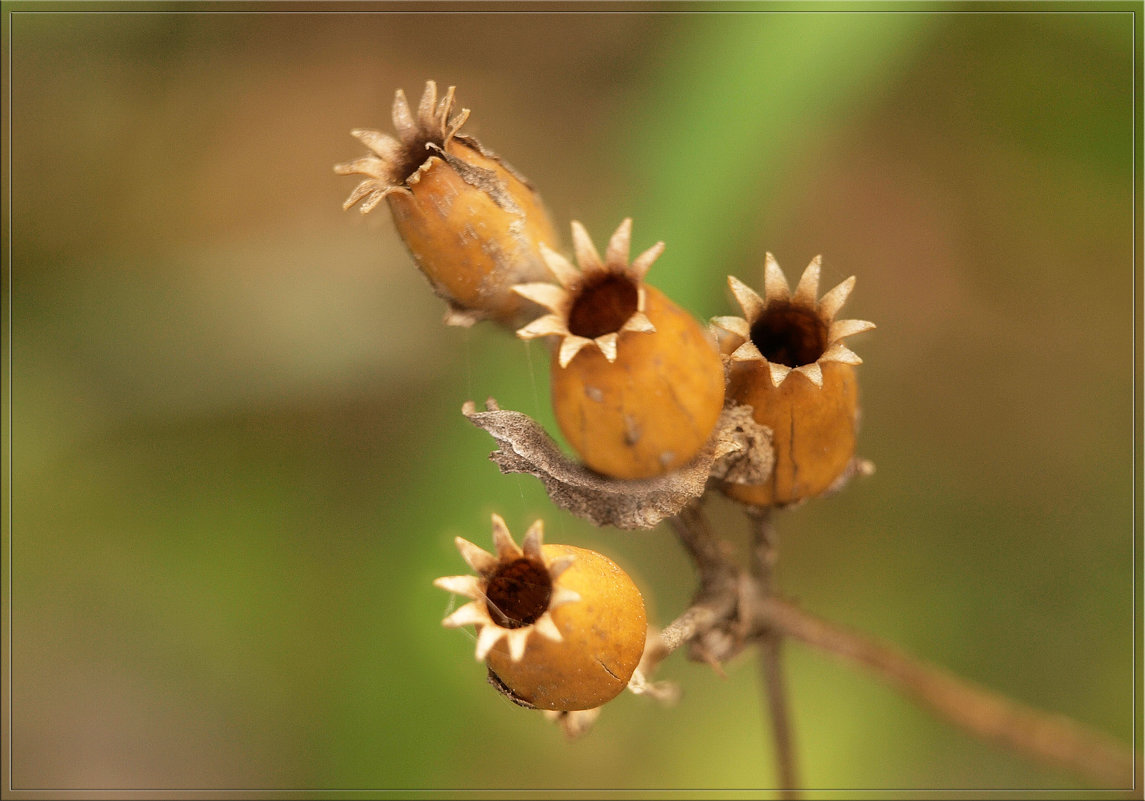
(525, 447)
(751, 460)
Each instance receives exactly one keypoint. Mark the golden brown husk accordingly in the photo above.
(651, 410)
(473, 227)
(602, 639)
(813, 429)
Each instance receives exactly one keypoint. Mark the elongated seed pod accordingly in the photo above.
(472, 224)
(788, 362)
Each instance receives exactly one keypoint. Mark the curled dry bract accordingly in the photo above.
(525, 447)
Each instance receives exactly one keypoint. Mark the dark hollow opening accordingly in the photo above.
(602, 306)
(411, 157)
(518, 593)
(789, 334)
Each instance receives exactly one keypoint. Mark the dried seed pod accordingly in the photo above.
(788, 361)
(637, 383)
(560, 627)
(472, 224)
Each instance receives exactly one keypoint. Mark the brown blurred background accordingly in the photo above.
(238, 458)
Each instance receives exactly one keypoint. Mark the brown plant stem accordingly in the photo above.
(706, 550)
(765, 554)
(732, 609)
(706, 625)
(1051, 738)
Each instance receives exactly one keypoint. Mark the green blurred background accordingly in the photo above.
(238, 458)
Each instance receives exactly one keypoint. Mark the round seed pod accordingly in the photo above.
(559, 627)
(637, 383)
(788, 362)
(472, 224)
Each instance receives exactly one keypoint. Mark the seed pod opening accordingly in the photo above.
(471, 222)
(559, 627)
(787, 360)
(603, 305)
(637, 383)
(518, 592)
(789, 334)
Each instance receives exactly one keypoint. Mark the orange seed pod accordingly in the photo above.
(637, 383)
(559, 627)
(472, 224)
(789, 363)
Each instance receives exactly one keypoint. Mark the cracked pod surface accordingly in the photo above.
(788, 362)
(472, 224)
(637, 383)
(559, 627)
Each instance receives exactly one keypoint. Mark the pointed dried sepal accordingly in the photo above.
(468, 586)
(561, 268)
(734, 325)
(844, 328)
(777, 372)
(830, 303)
(534, 539)
(547, 628)
(477, 558)
(812, 372)
(586, 255)
(842, 354)
(607, 345)
(748, 352)
(775, 285)
(748, 299)
(558, 566)
(550, 296)
(488, 635)
(469, 615)
(570, 347)
(507, 550)
(563, 595)
(642, 262)
(808, 288)
(616, 256)
(384, 146)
